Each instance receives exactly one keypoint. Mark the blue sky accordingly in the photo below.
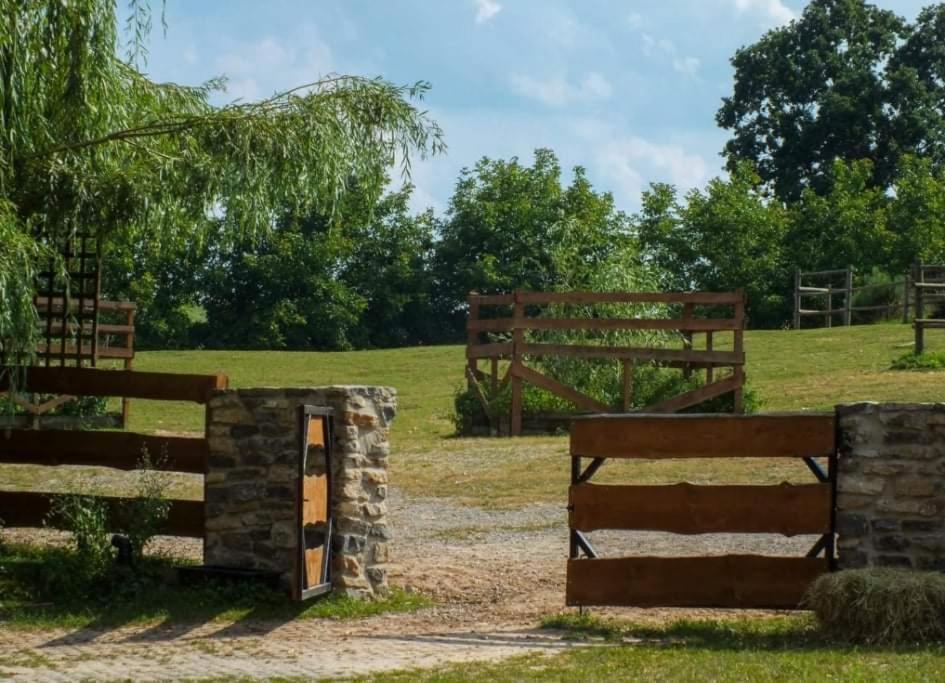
(627, 89)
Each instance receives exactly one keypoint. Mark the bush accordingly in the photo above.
(919, 361)
(880, 606)
(888, 294)
(86, 518)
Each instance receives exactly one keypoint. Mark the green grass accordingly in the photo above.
(920, 361)
(790, 370)
(764, 649)
(150, 596)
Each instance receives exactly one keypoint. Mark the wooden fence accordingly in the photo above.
(746, 581)
(116, 450)
(516, 348)
(115, 341)
(833, 286)
(928, 285)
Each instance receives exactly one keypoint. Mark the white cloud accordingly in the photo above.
(486, 9)
(635, 20)
(261, 68)
(774, 12)
(626, 161)
(557, 91)
(663, 48)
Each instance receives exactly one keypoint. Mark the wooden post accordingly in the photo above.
(627, 384)
(687, 338)
(472, 336)
(918, 277)
(130, 344)
(739, 348)
(829, 305)
(518, 339)
(848, 299)
(797, 298)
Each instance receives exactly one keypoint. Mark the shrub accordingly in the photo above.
(890, 293)
(86, 518)
(919, 361)
(141, 518)
(880, 606)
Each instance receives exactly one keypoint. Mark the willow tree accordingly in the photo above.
(89, 143)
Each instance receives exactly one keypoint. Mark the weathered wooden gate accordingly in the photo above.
(313, 568)
(748, 581)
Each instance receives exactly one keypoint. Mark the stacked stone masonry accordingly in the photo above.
(252, 480)
(891, 485)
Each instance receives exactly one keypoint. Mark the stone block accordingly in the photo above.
(892, 543)
(861, 485)
(893, 561)
(917, 487)
(851, 525)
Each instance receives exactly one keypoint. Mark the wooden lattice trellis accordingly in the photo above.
(68, 306)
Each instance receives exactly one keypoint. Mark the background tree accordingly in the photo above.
(90, 143)
(847, 81)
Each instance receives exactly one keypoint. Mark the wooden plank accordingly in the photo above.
(118, 450)
(316, 431)
(695, 396)
(703, 436)
(489, 350)
(717, 358)
(693, 325)
(492, 299)
(704, 298)
(30, 509)
(127, 383)
(315, 503)
(788, 509)
(743, 581)
(557, 388)
(313, 566)
(106, 352)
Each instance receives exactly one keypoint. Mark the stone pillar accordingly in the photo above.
(891, 485)
(252, 479)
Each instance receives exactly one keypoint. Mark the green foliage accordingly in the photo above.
(880, 606)
(884, 291)
(90, 560)
(920, 361)
(848, 81)
(142, 517)
(91, 144)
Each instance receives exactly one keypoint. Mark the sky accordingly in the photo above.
(627, 89)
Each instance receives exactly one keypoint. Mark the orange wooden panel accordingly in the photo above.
(313, 566)
(316, 430)
(315, 499)
(788, 509)
(703, 436)
(745, 581)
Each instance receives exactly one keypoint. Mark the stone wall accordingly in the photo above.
(252, 479)
(891, 485)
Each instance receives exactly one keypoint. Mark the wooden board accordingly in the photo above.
(705, 298)
(680, 324)
(315, 499)
(316, 431)
(720, 358)
(119, 450)
(745, 581)
(313, 566)
(29, 509)
(126, 383)
(695, 396)
(703, 436)
(576, 397)
(788, 509)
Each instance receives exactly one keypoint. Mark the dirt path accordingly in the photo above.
(494, 575)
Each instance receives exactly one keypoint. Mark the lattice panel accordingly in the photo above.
(68, 306)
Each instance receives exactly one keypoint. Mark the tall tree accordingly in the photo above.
(90, 143)
(847, 81)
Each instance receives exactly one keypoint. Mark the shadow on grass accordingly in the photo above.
(149, 598)
(793, 633)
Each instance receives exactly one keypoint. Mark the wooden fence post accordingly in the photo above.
(797, 298)
(848, 299)
(518, 339)
(738, 346)
(687, 338)
(918, 278)
(472, 337)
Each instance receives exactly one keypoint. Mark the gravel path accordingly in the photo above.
(493, 573)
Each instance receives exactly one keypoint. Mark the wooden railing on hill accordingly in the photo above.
(928, 283)
(116, 450)
(518, 349)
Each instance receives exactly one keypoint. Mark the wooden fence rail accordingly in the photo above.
(116, 450)
(928, 283)
(746, 581)
(528, 316)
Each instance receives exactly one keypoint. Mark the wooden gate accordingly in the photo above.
(747, 581)
(312, 575)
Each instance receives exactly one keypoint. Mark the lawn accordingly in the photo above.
(759, 649)
(790, 370)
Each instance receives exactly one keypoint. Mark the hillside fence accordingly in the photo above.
(526, 316)
(116, 450)
(928, 285)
